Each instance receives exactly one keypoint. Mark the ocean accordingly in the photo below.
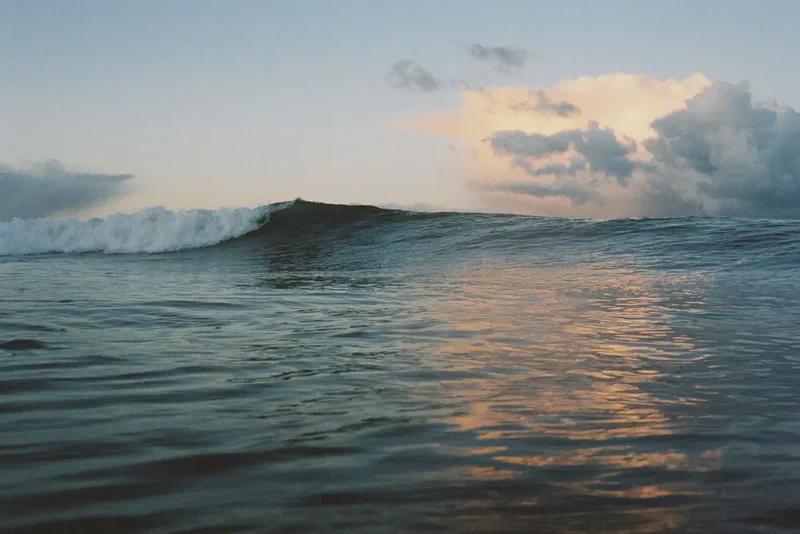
(308, 367)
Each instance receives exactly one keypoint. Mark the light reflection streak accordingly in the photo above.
(582, 356)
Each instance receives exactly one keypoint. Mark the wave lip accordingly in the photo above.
(151, 230)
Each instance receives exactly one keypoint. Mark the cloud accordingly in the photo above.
(502, 58)
(623, 102)
(407, 74)
(524, 145)
(722, 155)
(598, 150)
(576, 193)
(542, 103)
(48, 188)
(633, 146)
(732, 156)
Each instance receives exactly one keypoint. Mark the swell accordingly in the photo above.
(329, 236)
(312, 220)
(299, 223)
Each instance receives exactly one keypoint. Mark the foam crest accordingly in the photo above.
(151, 230)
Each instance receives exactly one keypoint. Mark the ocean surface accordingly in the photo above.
(308, 367)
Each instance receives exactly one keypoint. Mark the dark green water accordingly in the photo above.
(349, 369)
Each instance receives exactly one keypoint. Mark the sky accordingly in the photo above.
(569, 108)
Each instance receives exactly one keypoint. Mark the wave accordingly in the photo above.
(152, 230)
(305, 229)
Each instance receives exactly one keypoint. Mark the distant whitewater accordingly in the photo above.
(151, 230)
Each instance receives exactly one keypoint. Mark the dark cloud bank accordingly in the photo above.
(44, 189)
(722, 155)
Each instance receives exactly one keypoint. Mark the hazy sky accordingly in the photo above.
(242, 103)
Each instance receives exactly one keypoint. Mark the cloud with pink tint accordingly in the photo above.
(633, 146)
(543, 103)
(512, 172)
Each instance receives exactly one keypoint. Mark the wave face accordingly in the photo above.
(151, 230)
(324, 236)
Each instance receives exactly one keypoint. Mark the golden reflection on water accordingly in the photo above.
(603, 488)
(623, 458)
(581, 355)
(569, 355)
(482, 473)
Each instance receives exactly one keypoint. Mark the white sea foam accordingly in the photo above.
(150, 230)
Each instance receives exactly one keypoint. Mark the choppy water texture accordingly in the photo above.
(350, 369)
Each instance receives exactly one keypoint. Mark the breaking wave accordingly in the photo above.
(151, 230)
(306, 231)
